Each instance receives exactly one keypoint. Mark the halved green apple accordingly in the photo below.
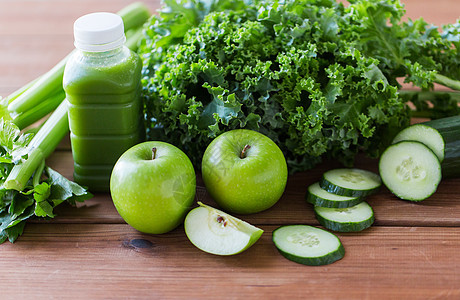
(216, 232)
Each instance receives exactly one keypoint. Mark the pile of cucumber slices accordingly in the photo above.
(338, 199)
(411, 168)
(339, 205)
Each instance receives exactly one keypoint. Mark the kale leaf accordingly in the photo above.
(317, 77)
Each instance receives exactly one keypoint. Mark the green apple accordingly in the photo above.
(153, 186)
(244, 171)
(216, 232)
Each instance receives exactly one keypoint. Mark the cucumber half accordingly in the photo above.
(308, 245)
(410, 170)
(350, 219)
(350, 182)
(320, 197)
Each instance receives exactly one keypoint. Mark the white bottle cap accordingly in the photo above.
(98, 32)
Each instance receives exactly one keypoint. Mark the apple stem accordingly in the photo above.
(154, 150)
(243, 153)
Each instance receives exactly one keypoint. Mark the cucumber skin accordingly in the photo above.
(449, 129)
(345, 227)
(450, 166)
(338, 190)
(318, 201)
(316, 261)
(313, 261)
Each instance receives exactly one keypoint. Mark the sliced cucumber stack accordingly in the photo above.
(320, 197)
(308, 245)
(338, 204)
(350, 182)
(410, 170)
(350, 219)
(338, 199)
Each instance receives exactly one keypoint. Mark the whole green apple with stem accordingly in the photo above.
(244, 171)
(153, 186)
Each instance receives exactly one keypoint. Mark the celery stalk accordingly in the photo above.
(134, 15)
(39, 148)
(132, 41)
(42, 109)
(48, 84)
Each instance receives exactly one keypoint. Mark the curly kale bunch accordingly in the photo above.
(309, 74)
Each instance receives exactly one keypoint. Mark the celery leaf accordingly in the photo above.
(39, 201)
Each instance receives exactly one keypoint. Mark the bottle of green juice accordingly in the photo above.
(102, 85)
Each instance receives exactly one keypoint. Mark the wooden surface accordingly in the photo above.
(412, 251)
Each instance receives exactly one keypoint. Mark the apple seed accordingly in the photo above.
(221, 220)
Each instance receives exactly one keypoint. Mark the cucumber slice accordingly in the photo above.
(424, 134)
(350, 182)
(350, 219)
(410, 170)
(442, 136)
(319, 197)
(308, 245)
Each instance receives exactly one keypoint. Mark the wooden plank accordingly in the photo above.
(115, 261)
(438, 12)
(36, 35)
(53, 17)
(24, 58)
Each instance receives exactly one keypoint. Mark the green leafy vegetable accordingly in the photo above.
(42, 193)
(414, 50)
(317, 77)
(292, 70)
(39, 148)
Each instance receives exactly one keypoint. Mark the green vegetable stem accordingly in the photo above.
(39, 148)
(27, 187)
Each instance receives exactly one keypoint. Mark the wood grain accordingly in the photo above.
(115, 261)
(36, 35)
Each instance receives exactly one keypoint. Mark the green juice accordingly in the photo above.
(105, 112)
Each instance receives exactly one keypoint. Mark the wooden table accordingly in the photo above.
(412, 251)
